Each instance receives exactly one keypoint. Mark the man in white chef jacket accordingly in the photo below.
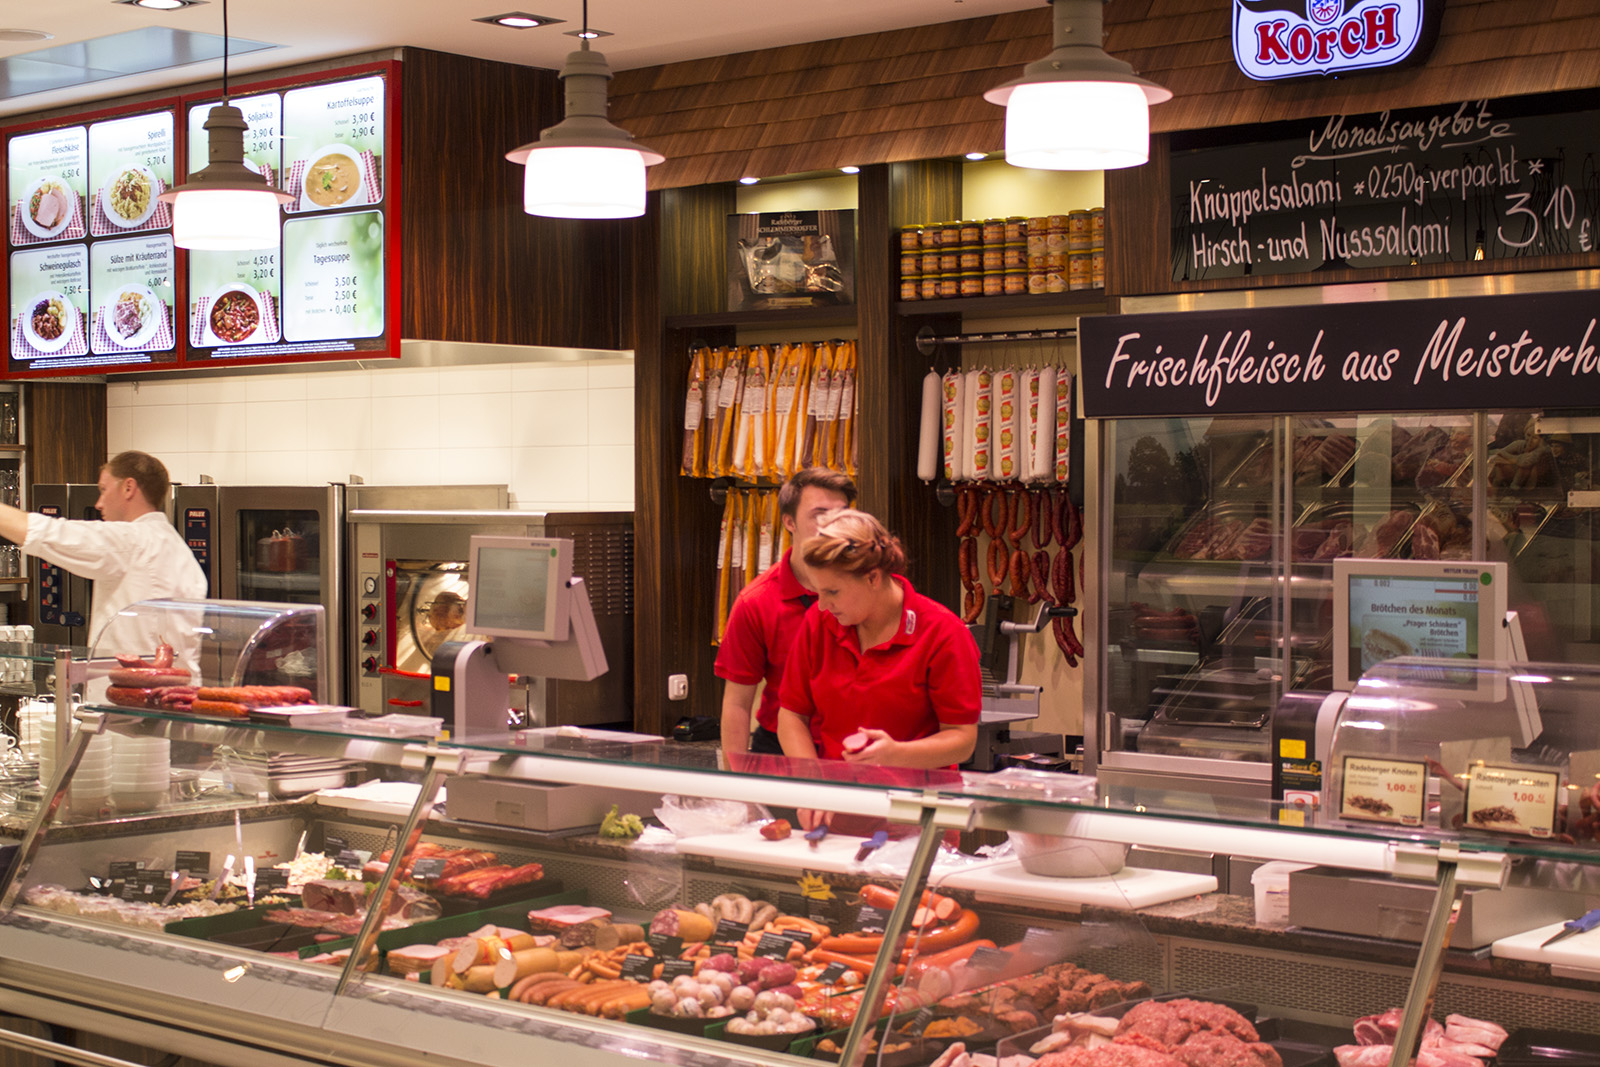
(133, 555)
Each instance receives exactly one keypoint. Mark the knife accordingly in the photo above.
(872, 844)
(816, 834)
(222, 879)
(1582, 924)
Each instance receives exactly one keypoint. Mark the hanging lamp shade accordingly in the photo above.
(584, 167)
(225, 206)
(1077, 108)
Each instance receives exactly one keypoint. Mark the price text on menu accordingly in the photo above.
(1482, 179)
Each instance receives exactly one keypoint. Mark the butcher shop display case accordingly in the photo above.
(1210, 581)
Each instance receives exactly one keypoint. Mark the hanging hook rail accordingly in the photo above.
(928, 341)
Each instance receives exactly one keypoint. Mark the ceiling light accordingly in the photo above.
(519, 20)
(1077, 108)
(25, 35)
(587, 34)
(584, 167)
(225, 206)
(850, 170)
(747, 180)
(977, 156)
(161, 5)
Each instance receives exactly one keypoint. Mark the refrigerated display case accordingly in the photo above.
(1210, 577)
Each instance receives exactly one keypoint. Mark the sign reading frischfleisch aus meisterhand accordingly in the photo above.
(1486, 179)
(1497, 353)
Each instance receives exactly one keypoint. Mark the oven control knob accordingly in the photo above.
(370, 664)
(369, 586)
(370, 637)
(369, 611)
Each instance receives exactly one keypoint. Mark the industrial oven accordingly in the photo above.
(63, 597)
(407, 596)
(286, 544)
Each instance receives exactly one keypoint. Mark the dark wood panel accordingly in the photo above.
(891, 370)
(675, 521)
(66, 431)
(477, 268)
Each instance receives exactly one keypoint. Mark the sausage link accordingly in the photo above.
(1062, 641)
(974, 604)
(969, 562)
(1020, 572)
(994, 513)
(999, 564)
(965, 508)
(1041, 521)
(1069, 592)
(1074, 522)
(1041, 577)
(1023, 519)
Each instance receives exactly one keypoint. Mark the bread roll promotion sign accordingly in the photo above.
(1498, 353)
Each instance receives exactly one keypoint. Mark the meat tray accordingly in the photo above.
(1548, 1048)
(1208, 521)
(1019, 1044)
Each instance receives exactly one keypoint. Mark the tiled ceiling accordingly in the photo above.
(645, 32)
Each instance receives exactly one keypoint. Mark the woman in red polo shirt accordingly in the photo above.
(879, 673)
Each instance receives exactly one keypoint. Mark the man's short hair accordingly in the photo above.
(821, 477)
(147, 472)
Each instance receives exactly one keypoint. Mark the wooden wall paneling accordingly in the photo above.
(675, 522)
(891, 370)
(66, 431)
(1139, 225)
(477, 268)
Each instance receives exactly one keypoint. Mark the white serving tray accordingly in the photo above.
(835, 854)
(1579, 952)
(1129, 888)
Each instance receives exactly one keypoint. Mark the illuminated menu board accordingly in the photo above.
(91, 270)
(94, 282)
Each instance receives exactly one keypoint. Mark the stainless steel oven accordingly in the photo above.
(408, 589)
(286, 544)
(64, 598)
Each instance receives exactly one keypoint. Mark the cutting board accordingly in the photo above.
(1581, 951)
(1131, 887)
(835, 854)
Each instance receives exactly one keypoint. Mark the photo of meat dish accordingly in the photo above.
(234, 316)
(50, 206)
(1495, 813)
(130, 314)
(47, 320)
(1372, 805)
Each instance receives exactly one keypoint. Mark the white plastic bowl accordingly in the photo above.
(1067, 857)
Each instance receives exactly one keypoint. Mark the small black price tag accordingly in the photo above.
(870, 920)
(773, 946)
(196, 863)
(332, 846)
(271, 879)
(825, 912)
(147, 885)
(428, 869)
(664, 944)
(792, 904)
(122, 870)
(349, 859)
(730, 932)
(919, 1022)
(671, 969)
(638, 968)
(832, 973)
(988, 960)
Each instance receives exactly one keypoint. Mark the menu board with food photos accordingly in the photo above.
(95, 282)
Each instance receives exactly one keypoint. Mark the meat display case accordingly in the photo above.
(219, 987)
(1209, 581)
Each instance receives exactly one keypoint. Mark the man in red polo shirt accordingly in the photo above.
(762, 625)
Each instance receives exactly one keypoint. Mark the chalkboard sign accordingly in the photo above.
(1487, 179)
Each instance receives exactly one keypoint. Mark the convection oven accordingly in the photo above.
(63, 598)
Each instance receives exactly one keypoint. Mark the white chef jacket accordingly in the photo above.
(144, 559)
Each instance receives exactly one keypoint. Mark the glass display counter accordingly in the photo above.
(479, 901)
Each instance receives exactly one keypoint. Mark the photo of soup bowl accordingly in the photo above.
(334, 178)
(234, 316)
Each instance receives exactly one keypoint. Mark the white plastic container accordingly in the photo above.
(1271, 884)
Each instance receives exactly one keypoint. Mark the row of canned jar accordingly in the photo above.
(1054, 272)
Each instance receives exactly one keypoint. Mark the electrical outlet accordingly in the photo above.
(677, 687)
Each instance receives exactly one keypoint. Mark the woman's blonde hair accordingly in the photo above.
(855, 543)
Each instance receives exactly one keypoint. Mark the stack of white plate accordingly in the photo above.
(141, 774)
(91, 783)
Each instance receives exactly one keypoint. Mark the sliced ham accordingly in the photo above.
(1475, 1031)
(52, 207)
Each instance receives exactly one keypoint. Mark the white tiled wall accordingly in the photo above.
(557, 434)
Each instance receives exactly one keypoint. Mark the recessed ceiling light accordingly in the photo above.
(976, 156)
(161, 5)
(25, 35)
(748, 180)
(519, 20)
(587, 35)
(850, 170)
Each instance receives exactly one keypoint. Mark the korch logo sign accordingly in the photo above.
(1274, 39)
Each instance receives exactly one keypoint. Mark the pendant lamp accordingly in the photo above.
(584, 167)
(1077, 108)
(225, 206)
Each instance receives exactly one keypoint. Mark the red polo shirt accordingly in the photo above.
(924, 677)
(761, 631)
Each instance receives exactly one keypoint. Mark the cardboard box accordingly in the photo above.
(540, 805)
(1369, 905)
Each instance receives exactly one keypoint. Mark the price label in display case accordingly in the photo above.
(1383, 790)
(1512, 800)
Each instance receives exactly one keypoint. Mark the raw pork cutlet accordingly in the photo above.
(1475, 1031)
(1109, 1056)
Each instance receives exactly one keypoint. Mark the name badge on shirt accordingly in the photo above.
(911, 622)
